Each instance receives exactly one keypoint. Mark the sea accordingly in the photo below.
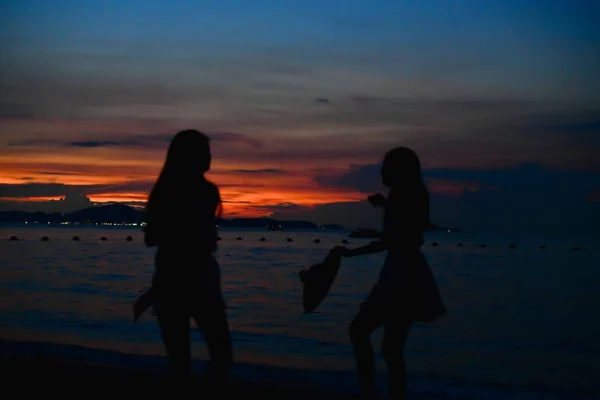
(522, 322)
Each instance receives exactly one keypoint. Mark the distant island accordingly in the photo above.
(367, 233)
(124, 215)
(121, 214)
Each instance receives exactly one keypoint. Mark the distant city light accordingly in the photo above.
(94, 223)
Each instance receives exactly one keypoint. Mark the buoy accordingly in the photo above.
(289, 240)
(218, 238)
(482, 245)
(76, 238)
(345, 241)
(543, 247)
(317, 240)
(238, 238)
(435, 244)
(14, 238)
(512, 245)
(129, 238)
(103, 238)
(262, 239)
(576, 248)
(459, 245)
(45, 239)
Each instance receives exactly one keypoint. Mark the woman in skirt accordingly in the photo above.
(406, 290)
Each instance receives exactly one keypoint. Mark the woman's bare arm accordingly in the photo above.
(374, 247)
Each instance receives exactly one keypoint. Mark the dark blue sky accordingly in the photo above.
(523, 48)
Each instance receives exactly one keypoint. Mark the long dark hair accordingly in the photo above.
(401, 172)
(188, 159)
(402, 169)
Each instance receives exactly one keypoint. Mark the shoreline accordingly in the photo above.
(75, 380)
(72, 371)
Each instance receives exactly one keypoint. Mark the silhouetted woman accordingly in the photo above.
(406, 290)
(182, 213)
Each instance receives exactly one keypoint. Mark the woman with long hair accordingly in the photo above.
(406, 290)
(182, 215)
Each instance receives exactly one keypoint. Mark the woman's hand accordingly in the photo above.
(340, 251)
(377, 200)
(150, 239)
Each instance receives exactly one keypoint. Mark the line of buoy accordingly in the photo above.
(289, 240)
(74, 238)
(130, 238)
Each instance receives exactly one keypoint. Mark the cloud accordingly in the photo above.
(37, 190)
(36, 143)
(148, 140)
(68, 203)
(241, 185)
(136, 186)
(348, 214)
(60, 173)
(57, 143)
(28, 190)
(236, 202)
(364, 178)
(578, 184)
(527, 197)
(235, 137)
(103, 143)
(282, 208)
(136, 204)
(259, 171)
(359, 126)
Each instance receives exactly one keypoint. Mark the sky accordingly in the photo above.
(500, 99)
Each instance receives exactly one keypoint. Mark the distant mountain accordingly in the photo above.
(333, 227)
(376, 234)
(114, 213)
(22, 216)
(264, 222)
(123, 214)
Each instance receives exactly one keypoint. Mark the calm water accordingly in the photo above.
(517, 317)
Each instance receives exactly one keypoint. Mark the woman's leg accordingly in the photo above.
(364, 324)
(175, 330)
(215, 328)
(394, 339)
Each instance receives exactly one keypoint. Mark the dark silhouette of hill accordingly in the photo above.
(333, 227)
(23, 216)
(123, 214)
(114, 213)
